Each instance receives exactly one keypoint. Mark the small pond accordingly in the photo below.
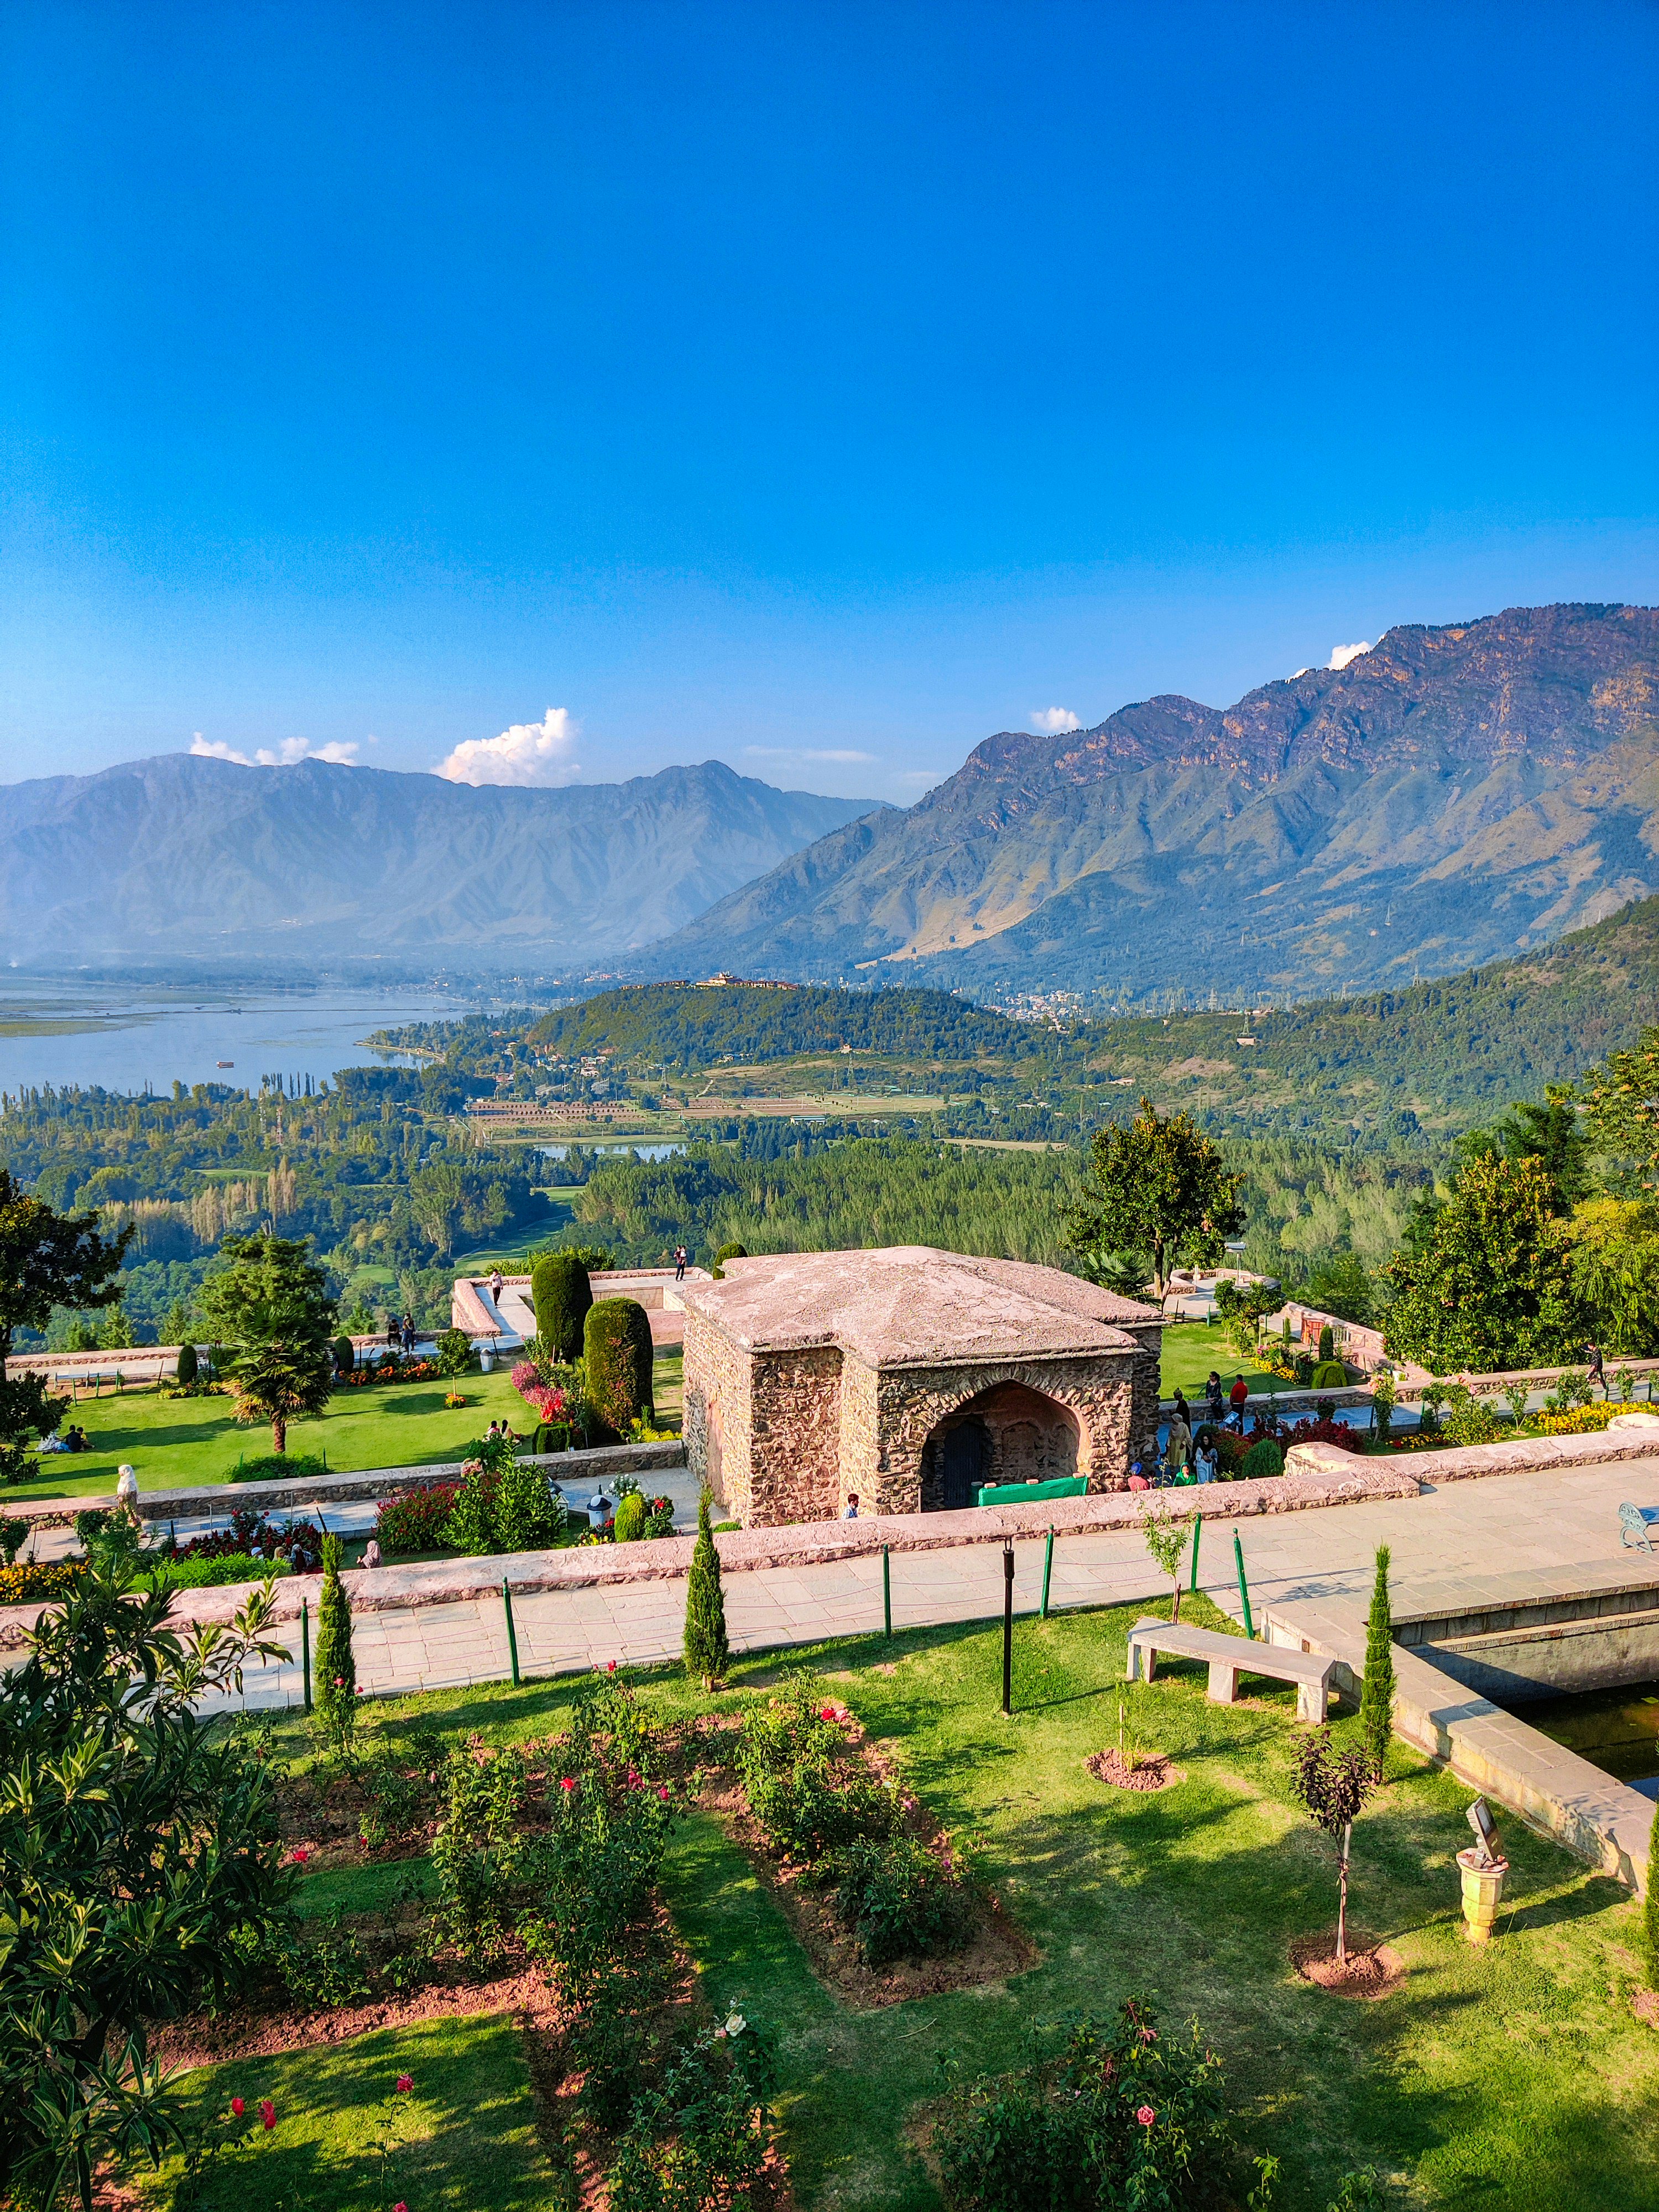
(1617, 1730)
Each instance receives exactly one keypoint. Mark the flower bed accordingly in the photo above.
(414, 1521)
(881, 1900)
(26, 1583)
(365, 1373)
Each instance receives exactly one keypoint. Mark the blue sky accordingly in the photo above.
(820, 388)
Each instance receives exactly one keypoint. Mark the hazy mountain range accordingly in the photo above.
(180, 858)
(1449, 796)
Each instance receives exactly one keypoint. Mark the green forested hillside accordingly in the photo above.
(692, 1026)
(1444, 1055)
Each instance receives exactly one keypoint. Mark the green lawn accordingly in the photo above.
(196, 1440)
(1192, 1348)
(466, 2134)
(1513, 2078)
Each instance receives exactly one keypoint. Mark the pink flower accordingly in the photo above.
(1149, 2035)
(238, 2106)
(1146, 2116)
(400, 2206)
(405, 2083)
(663, 1794)
(268, 2112)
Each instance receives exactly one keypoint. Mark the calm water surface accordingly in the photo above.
(125, 1037)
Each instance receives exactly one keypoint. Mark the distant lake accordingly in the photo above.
(122, 1036)
(646, 1151)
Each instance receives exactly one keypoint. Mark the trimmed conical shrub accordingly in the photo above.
(616, 1362)
(1376, 1692)
(727, 1252)
(187, 1365)
(1651, 1923)
(560, 1293)
(336, 1698)
(706, 1649)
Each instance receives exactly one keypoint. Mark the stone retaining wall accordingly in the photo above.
(599, 1464)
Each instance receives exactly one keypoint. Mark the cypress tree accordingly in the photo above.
(1376, 1695)
(1651, 1920)
(336, 1669)
(706, 1647)
(561, 1295)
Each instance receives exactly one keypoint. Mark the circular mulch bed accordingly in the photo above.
(1371, 1968)
(1154, 1772)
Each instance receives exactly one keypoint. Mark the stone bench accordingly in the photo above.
(1228, 1657)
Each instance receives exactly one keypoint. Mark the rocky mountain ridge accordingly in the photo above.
(1453, 794)
(181, 858)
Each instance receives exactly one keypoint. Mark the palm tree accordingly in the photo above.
(283, 1383)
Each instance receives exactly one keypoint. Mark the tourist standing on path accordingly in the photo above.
(409, 1333)
(1175, 1450)
(1238, 1397)
(679, 1263)
(495, 1286)
(1597, 1373)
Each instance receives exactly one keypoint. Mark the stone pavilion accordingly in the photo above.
(906, 1376)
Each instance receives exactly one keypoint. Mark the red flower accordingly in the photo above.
(567, 1783)
(400, 2206)
(268, 2112)
(663, 1794)
(610, 1667)
(405, 2083)
(300, 1853)
(238, 2106)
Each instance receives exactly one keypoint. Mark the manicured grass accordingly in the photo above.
(197, 1440)
(1192, 1348)
(1513, 2077)
(465, 2136)
(668, 1383)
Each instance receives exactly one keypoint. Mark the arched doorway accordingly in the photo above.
(1005, 1434)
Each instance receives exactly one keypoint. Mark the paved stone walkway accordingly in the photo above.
(1458, 1540)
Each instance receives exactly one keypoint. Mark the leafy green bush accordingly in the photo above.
(727, 1252)
(616, 1361)
(14, 1530)
(528, 1517)
(1329, 1375)
(1468, 1421)
(416, 1521)
(805, 1795)
(478, 1852)
(703, 2135)
(631, 1515)
(1070, 2133)
(1263, 1458)
(900, 1899)
(187, 1366)
(454, 1350)
(470, 1526)
(279, 1466)
(1327, 1344)
(213, 1574)
(560, 1298)
(345, 1355)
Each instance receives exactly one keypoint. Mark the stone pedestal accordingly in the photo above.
(1483, 1889)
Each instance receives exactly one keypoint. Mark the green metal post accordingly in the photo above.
(512, 1638)
(1198, 1530)
(305, 1648)
(1243, 1587)
(1048, 1568)
(886, 1594)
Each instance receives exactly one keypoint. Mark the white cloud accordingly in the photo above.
(1342, 655)
(805, 753)
(922, 775)
(1056, 721)
(527, 753)
(283, 755)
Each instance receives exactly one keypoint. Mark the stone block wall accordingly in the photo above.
(1099, 1388)
(794, 1438)
(718, 1413)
